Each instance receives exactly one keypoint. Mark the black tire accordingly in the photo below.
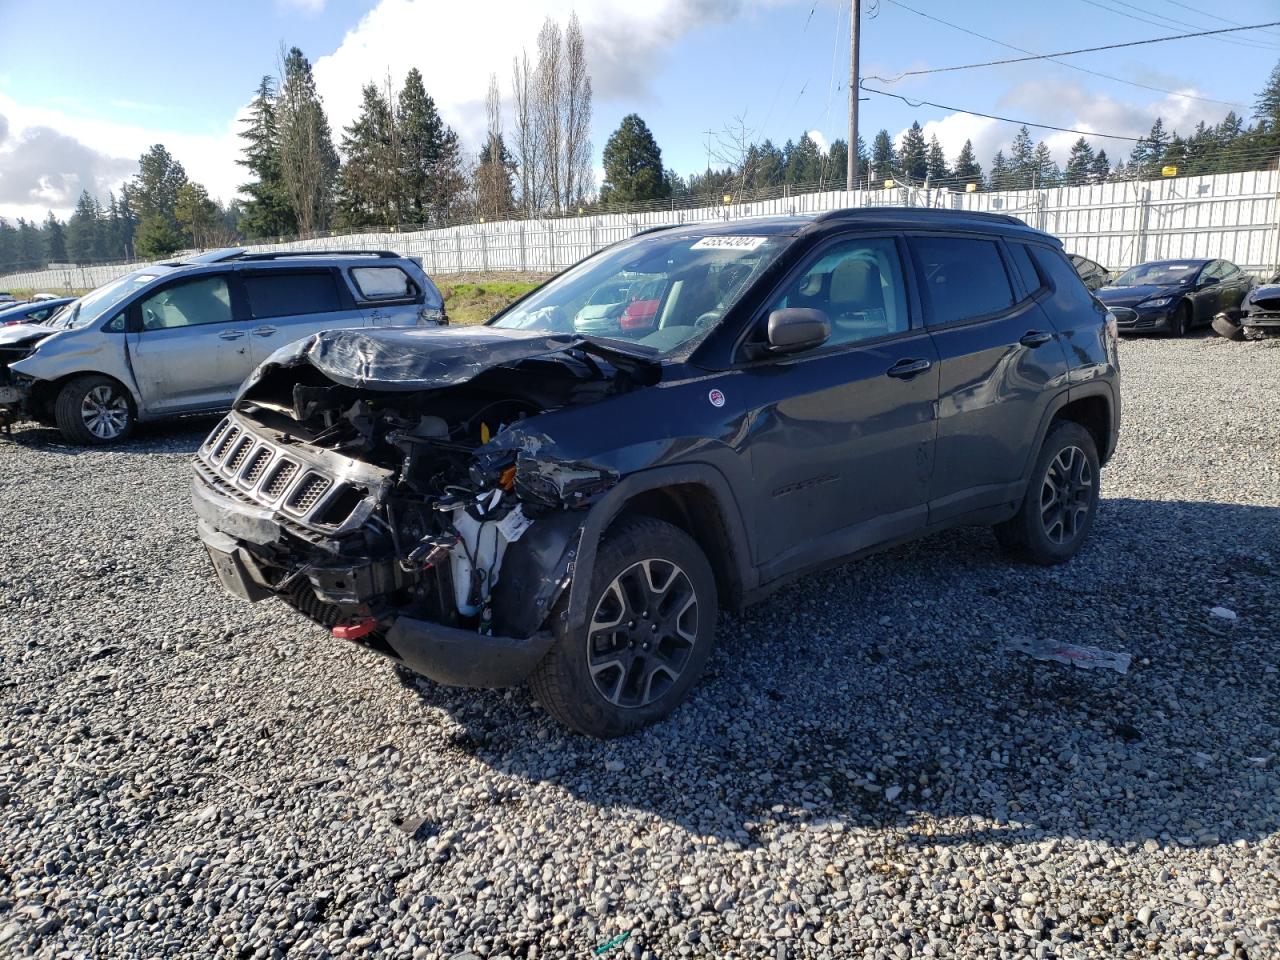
(1181, 321)
(565, 683)
(78, 398)
(1225, 327)
(1038, 533)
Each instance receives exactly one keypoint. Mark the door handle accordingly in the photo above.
(906, 369)
(1035, 338)
(265, 331)
(231, 334)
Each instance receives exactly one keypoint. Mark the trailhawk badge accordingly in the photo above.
(716, 398)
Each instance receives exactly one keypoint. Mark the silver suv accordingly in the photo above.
(179, 337)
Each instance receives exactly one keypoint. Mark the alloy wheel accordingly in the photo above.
(1066, 495)
(642, 633)
(105, 412)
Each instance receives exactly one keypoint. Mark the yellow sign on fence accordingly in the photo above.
(1169, 171)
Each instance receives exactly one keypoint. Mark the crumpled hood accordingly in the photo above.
(23, 334)
(1131, 296)
(423, 358)
(1268, 292)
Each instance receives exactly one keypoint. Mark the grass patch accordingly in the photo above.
(468, 303)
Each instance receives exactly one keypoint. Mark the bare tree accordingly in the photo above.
(528, 140)
(493, 171)
(547, 109)
(579, 179)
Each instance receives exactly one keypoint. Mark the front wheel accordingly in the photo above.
(1181, 321)
(1058, 508)
(94, 410)
(652, 624)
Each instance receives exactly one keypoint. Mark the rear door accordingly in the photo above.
(842, 435)
(289, 303)
(1001, 361)
(189, 345)
(388, 294)
(1235, 285)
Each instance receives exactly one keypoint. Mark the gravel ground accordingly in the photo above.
(865, 771)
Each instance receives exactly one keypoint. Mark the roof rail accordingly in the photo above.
(380, 254)
(216, 256)
(908, 213)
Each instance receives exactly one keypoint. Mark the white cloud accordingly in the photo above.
(308, 7)
(50, 155)
(457, 46)
(818, 137)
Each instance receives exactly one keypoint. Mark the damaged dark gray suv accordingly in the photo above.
(524, 500)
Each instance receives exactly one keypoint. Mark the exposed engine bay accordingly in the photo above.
(361, 488)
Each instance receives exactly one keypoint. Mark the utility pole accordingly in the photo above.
(851, 173)
(709, 134)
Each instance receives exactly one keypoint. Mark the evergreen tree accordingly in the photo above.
(633, 169)
(1232, 144)
(495, 179)
(55, 240)
(1079, 164)
(1175, 154)
(157, 237)
(804, 164)
(968, 170)
(1000, 177)
(1044, 171)
(1022, 163)
(31, 253)
(1145, 158)
(430, 160)
(198, 217)
(1101, 167)
(125, 222)
(8, 246)
(770, 170)
(83, 240)
(676, 185)
(156, 186)
(884, 161)
(308, 161)
(837, 164)
(1266, 111)
(369, 183)
(267, 212)
(1201, 150)
(937, 161)
(913, 154)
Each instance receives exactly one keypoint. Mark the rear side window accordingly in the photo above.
(284, 294)
(965, 278)
(1066, 282)
(1026, 268)
(383, 283)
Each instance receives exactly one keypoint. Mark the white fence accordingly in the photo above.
(1234, 216)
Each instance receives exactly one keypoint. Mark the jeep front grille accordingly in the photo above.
(261, 472)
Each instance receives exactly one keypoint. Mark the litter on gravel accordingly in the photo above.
(1086, 658)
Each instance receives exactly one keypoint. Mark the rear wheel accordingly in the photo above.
(94, 410)
(1058, 508)
(1224, 326)
(651, 628)
(1181, 320)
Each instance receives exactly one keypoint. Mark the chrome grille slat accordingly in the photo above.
(257, 466)
(224, 445)
(307, 493)
(279, 481)
(235, 460)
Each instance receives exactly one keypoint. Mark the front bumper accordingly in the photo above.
(1261, 326)
(1133, 320)
(231, 530)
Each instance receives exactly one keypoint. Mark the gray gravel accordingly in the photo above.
(864, 772)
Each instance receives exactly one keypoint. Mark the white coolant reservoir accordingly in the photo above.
(483, 544)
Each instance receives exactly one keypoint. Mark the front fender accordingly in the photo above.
(61, 357)
(607, 508)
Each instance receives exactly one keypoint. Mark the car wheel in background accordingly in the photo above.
(1180, 322)
(650, 629)
(94, 410)
(1058, 508)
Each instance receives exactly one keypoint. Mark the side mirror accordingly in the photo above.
(793, 329)
(1206, 282)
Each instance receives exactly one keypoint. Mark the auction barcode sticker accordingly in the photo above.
(728, 243)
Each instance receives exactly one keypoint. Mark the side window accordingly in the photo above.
(1066, 282)
(1229, 270)
(1031, 281)
(191, 304)
(383, 283)
(281, 293)
(858, 284)
(1212, 271)
(965, 278)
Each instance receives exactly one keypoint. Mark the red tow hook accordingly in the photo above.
(354, 631)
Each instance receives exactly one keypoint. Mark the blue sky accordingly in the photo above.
(79, 111)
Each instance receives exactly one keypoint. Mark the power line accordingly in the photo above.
(991, 116)
(1165, 21)
(1214, 16)
(1072, 66)
(1070, 53)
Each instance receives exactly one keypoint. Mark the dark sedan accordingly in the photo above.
(37, 311)
(1173, 296)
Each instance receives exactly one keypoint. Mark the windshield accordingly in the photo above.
(98, 303)
(657, 291)
(1159, 273)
